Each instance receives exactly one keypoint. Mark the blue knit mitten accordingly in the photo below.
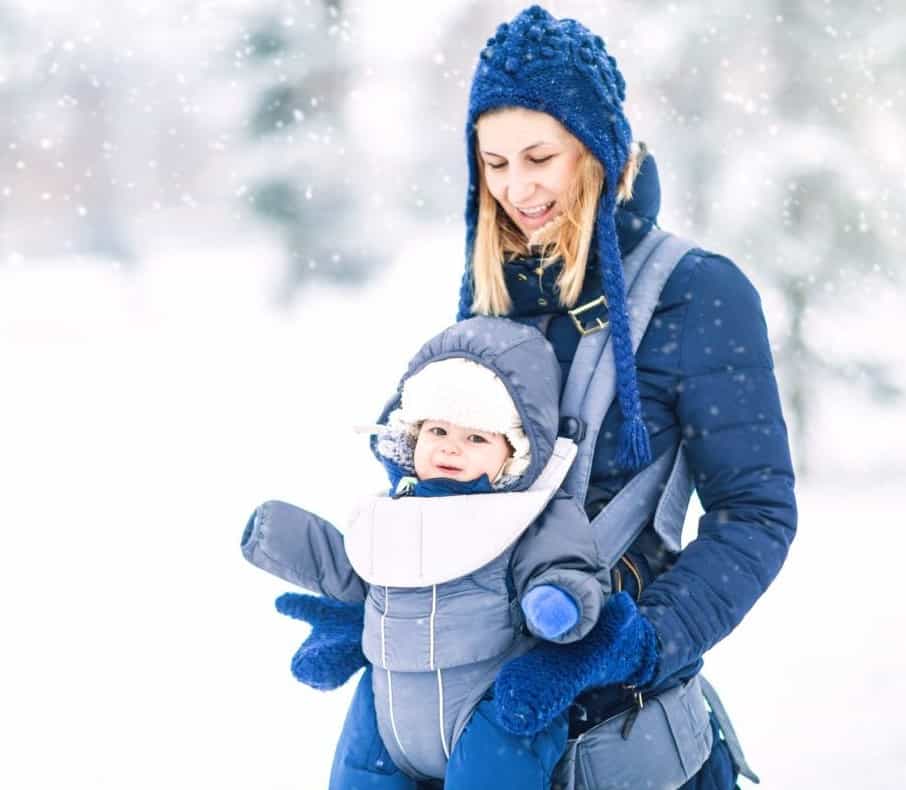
(332, 653)
(549, 611)
(532, 690)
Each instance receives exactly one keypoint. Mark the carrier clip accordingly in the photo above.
(633, 715)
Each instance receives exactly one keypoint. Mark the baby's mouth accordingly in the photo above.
(445, 468)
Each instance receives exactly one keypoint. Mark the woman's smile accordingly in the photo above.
(536, 216)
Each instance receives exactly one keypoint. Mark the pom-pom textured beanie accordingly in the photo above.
(560, 68)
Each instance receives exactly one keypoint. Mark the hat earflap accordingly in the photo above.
(634, 448)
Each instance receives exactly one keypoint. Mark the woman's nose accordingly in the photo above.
(520, 189)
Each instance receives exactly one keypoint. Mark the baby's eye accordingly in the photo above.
(437, 430)
(477, 439)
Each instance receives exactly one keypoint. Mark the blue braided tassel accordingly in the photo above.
(634, 451)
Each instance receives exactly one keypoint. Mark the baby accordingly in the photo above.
(474, 554)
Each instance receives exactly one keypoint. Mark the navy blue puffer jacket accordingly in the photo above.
(705, 374)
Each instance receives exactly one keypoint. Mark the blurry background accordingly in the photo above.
(226, 226)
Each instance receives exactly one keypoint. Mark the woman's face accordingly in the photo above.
(529, 163)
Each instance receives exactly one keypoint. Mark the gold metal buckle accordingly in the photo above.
(598, 325)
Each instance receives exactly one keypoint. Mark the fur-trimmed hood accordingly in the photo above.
(520, 356)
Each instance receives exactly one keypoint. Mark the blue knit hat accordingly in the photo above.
(560, 68)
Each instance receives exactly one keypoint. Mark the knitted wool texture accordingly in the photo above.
(532, 690)
(332, 653)
(560, 68)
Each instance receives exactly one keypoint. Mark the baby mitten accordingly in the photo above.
(549, 611)
(332, 653)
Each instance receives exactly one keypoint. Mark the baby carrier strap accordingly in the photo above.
(663, 487)
(591, 385)
(726, 727)
(623, 518)
(661, 491)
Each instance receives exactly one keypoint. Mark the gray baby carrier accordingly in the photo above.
(668, 737)
(445, 574)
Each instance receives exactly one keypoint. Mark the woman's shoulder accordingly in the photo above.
(722, 319)
(701, 275)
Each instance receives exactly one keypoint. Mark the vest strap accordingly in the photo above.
(726, 727)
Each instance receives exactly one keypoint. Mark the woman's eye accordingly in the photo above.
(540, 161)
(495, 167)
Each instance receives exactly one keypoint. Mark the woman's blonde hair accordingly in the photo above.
(568, 236)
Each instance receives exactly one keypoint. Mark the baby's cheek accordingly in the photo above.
(421, 458)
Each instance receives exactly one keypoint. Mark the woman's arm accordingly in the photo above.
(303, 549)
(736, 443)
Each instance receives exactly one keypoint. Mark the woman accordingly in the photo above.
(559, 196)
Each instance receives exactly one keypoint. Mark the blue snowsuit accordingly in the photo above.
(442, 575)
(705, 374)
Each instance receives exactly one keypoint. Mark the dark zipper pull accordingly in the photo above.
(633, 715)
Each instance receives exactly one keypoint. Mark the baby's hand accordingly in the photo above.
(549, 611)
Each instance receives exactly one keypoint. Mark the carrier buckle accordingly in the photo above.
(572, 428)
(598, 324)
(633, 713)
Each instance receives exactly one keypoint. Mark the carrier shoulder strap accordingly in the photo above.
(591, 385)
(662, 489)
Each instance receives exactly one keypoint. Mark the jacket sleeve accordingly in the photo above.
(558, 548)
(303, 549)
(730, 416)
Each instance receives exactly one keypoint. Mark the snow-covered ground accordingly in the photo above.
(144, 415)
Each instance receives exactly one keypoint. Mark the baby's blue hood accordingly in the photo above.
(524, 361)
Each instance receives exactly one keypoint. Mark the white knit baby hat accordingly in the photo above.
(465, 393)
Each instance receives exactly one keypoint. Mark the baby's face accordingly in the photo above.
(447, 450)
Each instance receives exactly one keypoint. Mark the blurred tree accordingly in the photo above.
(92, 115)
(443, 92)
(784, 135)
(62, 109)
(308, 184)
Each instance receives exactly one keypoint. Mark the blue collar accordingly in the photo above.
(445, 486)
(438, 486)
